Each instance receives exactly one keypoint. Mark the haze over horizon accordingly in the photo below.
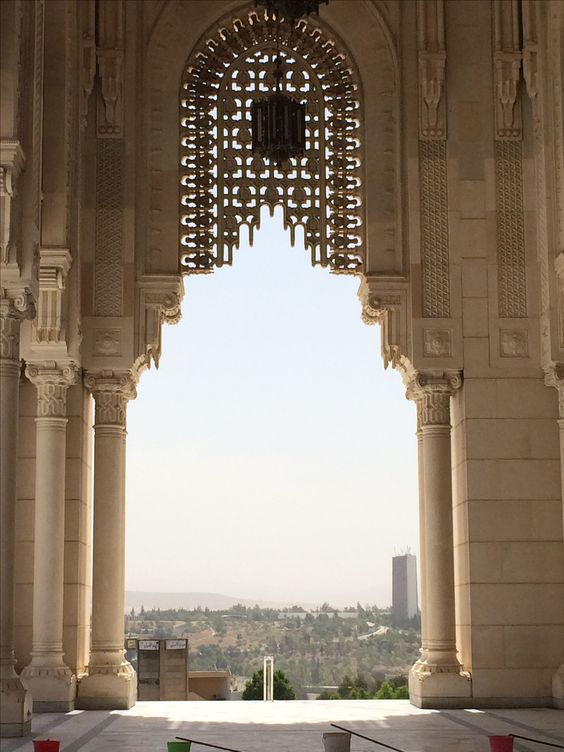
(271, 456)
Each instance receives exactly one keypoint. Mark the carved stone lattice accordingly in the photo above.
(512, 282)
(108, 270)
(434, 229)
(224, 186)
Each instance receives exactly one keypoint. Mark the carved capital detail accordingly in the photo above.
(554, 376)
(111, 391)
(52, 383)
(48, 327)
(159, 302)
(13, 309)
(384, 302)
(431, 391)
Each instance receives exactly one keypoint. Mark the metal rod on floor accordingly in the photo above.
(206, 744)
(537, 741)
(368, 739)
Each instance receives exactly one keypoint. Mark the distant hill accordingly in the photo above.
(214, 601)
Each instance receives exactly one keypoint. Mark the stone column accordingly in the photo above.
(422, 539)
(15, 698)
(437, 679)
(111, 682)
(555, 377)
(52, 683)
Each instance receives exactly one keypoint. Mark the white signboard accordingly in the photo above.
(148, 644)
(176, 644)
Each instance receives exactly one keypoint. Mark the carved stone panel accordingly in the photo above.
(434, 229)
(224, 185)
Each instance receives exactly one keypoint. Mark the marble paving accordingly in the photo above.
(290, 727)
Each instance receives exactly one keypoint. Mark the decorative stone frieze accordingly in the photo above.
(511, 262)
(108, 265)
(434, 229)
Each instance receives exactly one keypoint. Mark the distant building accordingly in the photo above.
(404, 589)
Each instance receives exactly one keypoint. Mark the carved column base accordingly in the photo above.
(558, 688)
(15, 707)
(439, 686)
(108, 686)
(52, 684)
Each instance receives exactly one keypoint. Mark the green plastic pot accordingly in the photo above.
(177, 746)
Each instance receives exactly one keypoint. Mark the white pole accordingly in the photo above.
(268, 678)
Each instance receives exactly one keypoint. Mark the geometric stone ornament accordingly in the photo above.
(223, 185)
(437, 343)
(514, 343)
(434, 229)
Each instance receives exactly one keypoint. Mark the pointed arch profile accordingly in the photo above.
(223, 185)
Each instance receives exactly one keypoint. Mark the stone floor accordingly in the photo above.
(290, 727)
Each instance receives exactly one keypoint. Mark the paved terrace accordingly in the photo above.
(290, 727)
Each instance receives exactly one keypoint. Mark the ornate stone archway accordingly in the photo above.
(224, 185)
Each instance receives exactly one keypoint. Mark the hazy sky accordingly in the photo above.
(271, 456)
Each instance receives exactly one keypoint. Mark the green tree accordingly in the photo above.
(402, 693)
(385, 692)
(283, 690)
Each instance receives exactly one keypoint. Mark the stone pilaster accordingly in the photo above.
(111, 681)
(15, 698)
(555, 377)
(52, 683)
(437, 679)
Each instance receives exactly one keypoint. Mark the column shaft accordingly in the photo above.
(439, 560)
(49, 541)
(15, 699)
(422, 541)
(108, 576)
(52, 683)
(111, 681)
(437, 679)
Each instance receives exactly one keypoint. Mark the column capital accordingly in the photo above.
(431, 391)
(554, 376)
(111, 390)
(52, 381)
(14, 307)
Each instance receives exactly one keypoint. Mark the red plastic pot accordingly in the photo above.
(46, 745)
(501, 743)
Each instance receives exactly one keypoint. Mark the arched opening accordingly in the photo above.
(279, 440)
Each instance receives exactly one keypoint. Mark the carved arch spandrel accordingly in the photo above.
(178, 30)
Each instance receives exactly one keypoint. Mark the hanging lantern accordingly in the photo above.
(278, 124)
(291, 10)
